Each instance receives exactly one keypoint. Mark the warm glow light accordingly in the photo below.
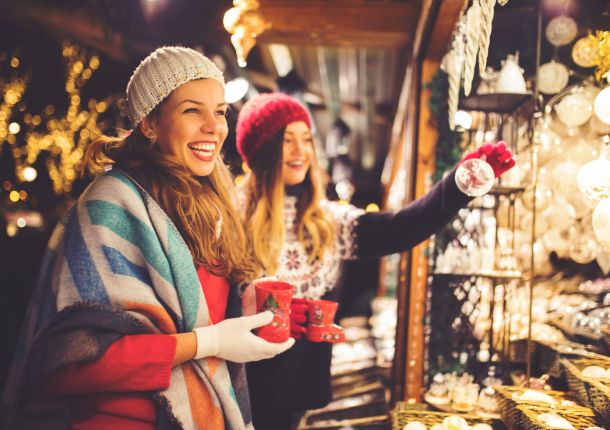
(372, 207)
(14, 196)
(21, 222)
(29, 173)
(236, 89)
(344, 189)
(601, 106)
(463, 119)
(11, 230)
(14, 128)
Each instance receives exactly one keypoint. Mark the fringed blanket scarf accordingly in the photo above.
(117, 265)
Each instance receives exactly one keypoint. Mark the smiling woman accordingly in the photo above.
(135, 322)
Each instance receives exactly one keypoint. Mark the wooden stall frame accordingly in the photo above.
(432, 39)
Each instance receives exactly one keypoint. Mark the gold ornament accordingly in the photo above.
(244, 22)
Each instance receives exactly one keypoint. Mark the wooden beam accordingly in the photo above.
(431, 42)
(340, 23)
(426, 147)
(62, 23)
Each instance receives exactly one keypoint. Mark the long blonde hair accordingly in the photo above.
(264, 214)
(194, 204)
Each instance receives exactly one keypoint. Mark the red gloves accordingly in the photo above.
(497, 155)
(298, 317)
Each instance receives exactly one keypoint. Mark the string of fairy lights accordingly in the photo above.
(58, 138)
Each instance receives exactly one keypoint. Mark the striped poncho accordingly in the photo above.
(116, 265)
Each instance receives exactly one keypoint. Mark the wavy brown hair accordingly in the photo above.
(264, 212)
(192, 203)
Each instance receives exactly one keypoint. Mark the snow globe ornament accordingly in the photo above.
(552, 77)
(511, 78)
(561, 30)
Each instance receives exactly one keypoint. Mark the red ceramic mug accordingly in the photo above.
(320, 326)
(274, 296)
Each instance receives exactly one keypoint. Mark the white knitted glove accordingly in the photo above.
(232, 340)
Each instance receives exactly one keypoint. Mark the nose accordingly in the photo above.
(299, 147)
(209, 124)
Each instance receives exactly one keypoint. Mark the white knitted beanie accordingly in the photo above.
(162, 72)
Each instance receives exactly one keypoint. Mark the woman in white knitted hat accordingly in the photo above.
(134, 322)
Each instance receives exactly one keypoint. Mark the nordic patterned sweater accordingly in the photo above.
(299, 379)
(362, 235)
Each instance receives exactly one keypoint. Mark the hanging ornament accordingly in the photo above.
(454, 65)
(552, 77)
(594, 177)
(601, 105)
(585, 51)
(574, 110)
(601, 223)
(511, 78)
(487, 16)
(473, 32)
(561, 30)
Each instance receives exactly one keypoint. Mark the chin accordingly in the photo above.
(201, 170)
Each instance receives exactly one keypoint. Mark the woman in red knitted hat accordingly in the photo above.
(301, 238)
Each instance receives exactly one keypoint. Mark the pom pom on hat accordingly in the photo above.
(164, 70)
(263, 117)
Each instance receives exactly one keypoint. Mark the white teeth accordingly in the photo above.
(295, 163)
(203, 146)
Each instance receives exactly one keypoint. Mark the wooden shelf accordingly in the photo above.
(505, 190)
(493, 274)
(495, 102)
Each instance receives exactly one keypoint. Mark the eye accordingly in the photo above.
(191, 110)
(222, 112)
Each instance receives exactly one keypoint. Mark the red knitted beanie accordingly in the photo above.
(263, 117)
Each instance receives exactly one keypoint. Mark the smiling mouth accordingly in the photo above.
(295, 164)
(203, 151)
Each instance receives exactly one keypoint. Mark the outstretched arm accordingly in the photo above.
(383, 233)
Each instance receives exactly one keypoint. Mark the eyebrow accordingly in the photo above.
(304, 133)
(224, 104)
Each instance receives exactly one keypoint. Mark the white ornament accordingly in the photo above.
(601, 105)
(415, 425)
(561, 30)
(552, 77)
(594, 372)
(511, 78)
(574, 109)
(594, 178)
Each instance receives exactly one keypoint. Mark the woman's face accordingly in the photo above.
(192, 125)
(297, 153)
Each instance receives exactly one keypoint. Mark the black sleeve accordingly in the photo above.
(382, 233)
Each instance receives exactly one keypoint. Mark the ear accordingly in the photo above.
(148, 127)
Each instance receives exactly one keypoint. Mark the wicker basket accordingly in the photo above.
(581, 419)
(404, 413)
(576, 382)
(513, 416)
(599, 395)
